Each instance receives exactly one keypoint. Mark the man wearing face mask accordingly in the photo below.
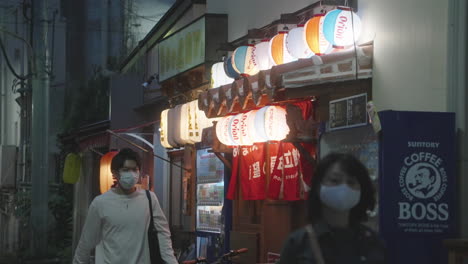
(118, 220)
(342, 194)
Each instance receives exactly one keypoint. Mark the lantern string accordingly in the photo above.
(95, 151)
(146, 150)
(356, 72)
(135, 127)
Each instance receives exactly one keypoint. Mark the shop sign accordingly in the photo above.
(182, 50)
(417, 188)
(348, 112)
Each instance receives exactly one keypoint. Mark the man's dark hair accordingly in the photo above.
(354, 168)
(123, 155)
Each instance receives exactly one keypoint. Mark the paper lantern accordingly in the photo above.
(239, 130)
(270, 123)
(222, 131)
(278, 51)
(296, 43)
(184, 123)
(314, 37)
(342, 27)
(243, 61)
(229, 70)
(261, 55)
(252, 130)
(163, 129)
(177, 120)
(105, 174)
(171, 127)
(218, 75)
(72, 168)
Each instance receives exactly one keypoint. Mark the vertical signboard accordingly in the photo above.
(417, 187)
(182, 50)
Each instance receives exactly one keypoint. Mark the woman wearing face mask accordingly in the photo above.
(118, 220)
(342, 194)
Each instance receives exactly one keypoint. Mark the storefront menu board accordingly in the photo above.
(417, 185)
(348, 112)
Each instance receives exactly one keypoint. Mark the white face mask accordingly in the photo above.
(128, 179)
(340, 197)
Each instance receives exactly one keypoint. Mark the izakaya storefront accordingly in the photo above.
(271, 103)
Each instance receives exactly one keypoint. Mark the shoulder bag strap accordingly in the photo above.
(151, 209)
(317, 252)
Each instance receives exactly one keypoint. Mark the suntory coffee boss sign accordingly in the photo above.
(417, 187)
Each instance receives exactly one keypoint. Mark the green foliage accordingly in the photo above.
(61, 222)
(89, 104)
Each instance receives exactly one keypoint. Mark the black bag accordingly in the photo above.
(155, 251)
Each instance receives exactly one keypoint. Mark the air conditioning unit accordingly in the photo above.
(8, 166)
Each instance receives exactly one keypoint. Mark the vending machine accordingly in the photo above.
(213, 211)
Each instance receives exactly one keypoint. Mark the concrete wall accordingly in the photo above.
(410, 51)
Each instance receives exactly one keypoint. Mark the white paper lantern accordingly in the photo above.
(219, 76)
(222, 130)
(296, 43)
(261, 55)
(252, 130)
(171, 127)
(276, 127)
(177, 125)
(163, 133)
(243, 62)
(184, 120)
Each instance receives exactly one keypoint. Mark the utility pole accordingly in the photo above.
(40, 127)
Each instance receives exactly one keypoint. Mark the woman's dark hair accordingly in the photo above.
(354, 168)
(123, 155)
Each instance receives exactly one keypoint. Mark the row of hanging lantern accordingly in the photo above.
(183, 124)
(265, 124)
(337, 29)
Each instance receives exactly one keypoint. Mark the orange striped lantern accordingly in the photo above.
(296, 43)
(314, 36)
(278, 51)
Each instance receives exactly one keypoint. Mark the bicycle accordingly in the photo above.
(226, 258)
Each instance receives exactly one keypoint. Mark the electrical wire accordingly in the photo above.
(9, 64)
(31, 50)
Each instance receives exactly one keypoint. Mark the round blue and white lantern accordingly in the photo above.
(230, 72)
(219, 76)
(243, 60)
(296, 43)
(342, 27)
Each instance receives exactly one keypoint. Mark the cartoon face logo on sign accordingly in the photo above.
(423, 180)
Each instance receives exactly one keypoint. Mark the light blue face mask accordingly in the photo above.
(340, 197)
(128, 179)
